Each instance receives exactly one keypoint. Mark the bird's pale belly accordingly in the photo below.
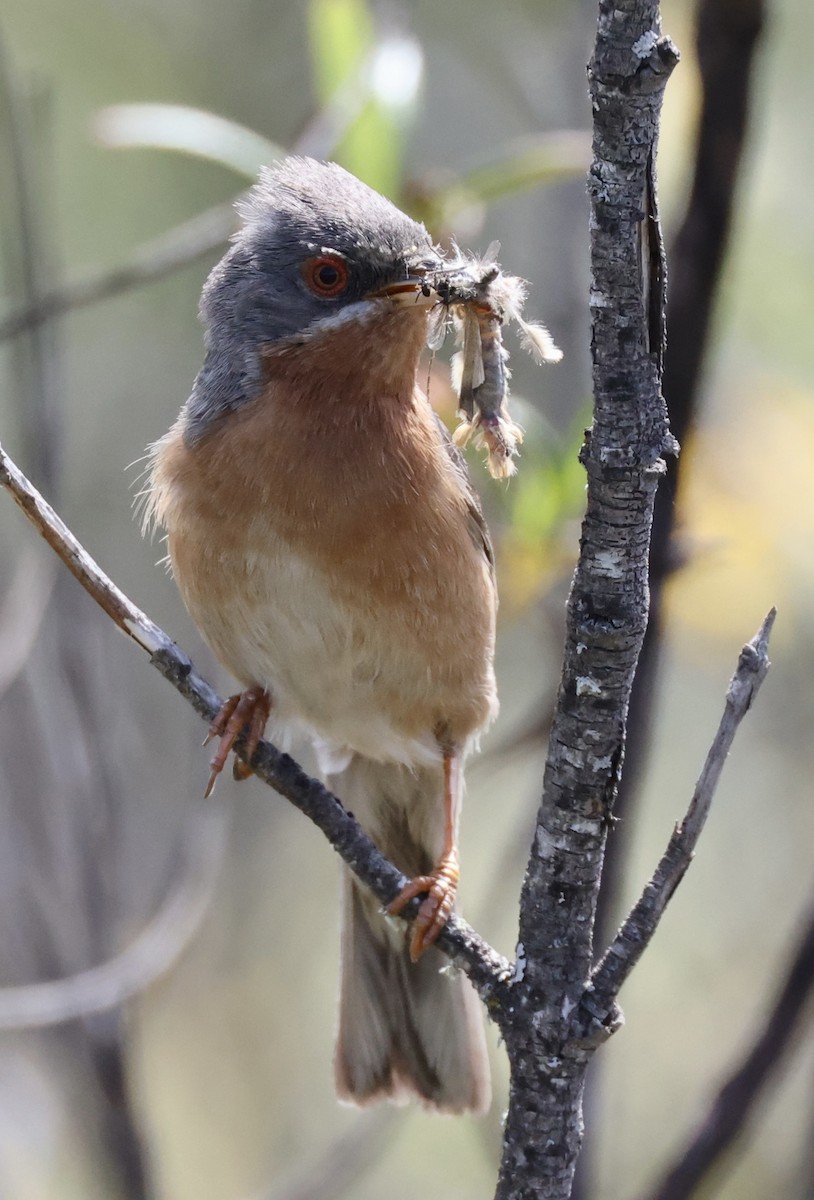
(352, 675)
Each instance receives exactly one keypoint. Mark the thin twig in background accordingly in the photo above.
(152, 953)
(727, 41)
(28, 255)
(70, 852)
(194, 239)
(727, 1115)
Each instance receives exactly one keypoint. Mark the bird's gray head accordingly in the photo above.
(317, 246)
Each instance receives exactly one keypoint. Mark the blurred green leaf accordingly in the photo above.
(341, 33)
(527, 161)
(187, 131)
(381, 77)
(522, 163)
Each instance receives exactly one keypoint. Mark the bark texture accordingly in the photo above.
(551, 1027)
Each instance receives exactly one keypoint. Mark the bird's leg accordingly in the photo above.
(247, 712)
(442, 885)
(255, 729)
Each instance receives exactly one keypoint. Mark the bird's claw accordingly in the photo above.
(247, 712)
(435, 910)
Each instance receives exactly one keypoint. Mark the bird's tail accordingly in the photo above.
(405, 1029)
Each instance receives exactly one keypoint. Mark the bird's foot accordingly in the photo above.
(436, 907)
(246, 713)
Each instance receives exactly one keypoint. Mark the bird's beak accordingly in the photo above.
(416, 289)
(407, 291)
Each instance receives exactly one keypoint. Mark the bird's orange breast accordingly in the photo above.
(323, 544)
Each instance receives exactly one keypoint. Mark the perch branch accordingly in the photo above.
(637, 930)
(488, 970)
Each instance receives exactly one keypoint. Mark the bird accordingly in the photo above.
(327, 543)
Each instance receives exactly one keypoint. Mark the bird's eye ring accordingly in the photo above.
(326, 275)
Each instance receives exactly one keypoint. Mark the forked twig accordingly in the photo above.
(638, 928)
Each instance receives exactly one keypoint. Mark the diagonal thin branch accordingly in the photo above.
(183, 244)
(729, 1111)
(638, 928)
(191, 239)
(487, 969)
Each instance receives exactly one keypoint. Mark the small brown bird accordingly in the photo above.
(327, 543)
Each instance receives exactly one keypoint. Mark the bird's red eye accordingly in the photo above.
(326, 275)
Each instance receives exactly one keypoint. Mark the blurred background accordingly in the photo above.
(217, 925)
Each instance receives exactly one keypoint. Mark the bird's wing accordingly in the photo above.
(477, 524)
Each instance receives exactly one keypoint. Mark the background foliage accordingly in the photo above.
(474, 117)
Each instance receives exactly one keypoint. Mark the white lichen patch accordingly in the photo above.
(584, 825)
(586, 686)
(643, 47)
(519, 963)
(610, 563)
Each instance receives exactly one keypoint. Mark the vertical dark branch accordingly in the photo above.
(727, 37)
(124, 1143)
(728, 34)
(550, 1030)
(806, 1174)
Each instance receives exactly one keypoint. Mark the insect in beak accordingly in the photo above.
(415, 290)
(419, 285)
